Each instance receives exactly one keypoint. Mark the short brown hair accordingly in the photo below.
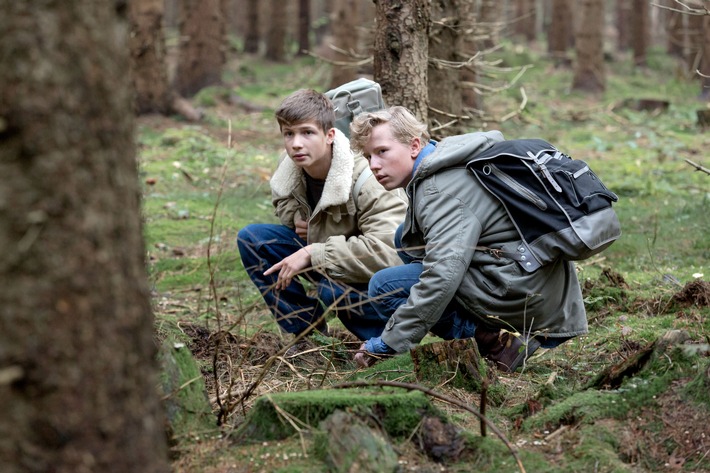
(403, 123)
(306, 105)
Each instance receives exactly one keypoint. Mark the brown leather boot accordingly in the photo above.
(505, 349)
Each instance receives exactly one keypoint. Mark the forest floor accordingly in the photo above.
(631, 396)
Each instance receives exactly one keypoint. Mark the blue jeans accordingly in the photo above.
(390, 288)
(263, 245)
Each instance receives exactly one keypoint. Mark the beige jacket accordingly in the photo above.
(351, 239)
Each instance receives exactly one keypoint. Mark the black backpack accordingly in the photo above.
(558, 204)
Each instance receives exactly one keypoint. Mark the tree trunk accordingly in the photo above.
(401, 53)
(276, 36)
(321, 13)
(560, 30)
(705, 62)
(589, 73)
(251, 38)
(202, 42)
(694, 39)
(639, 31)
(445, 43)
(77, 357)
(304, 27)
(489, 23)
(148, 66)
(345, 38)
(469, 47)
(675, 32)
(525, 18)
(624, 17)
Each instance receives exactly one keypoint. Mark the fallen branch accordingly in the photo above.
(698, 167)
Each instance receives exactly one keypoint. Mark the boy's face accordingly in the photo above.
(308, 146)
(391, 161)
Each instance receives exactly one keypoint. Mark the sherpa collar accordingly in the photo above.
(338, 183)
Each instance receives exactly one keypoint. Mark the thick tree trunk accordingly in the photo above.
(77, 364)
(202, 42)
(589, 73)
(401, 53)
(148, 66)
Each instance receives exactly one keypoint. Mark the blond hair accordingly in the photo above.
(403, 124)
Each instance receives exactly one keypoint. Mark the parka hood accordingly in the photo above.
(456, 151)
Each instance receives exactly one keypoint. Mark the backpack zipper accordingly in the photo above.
(510, 182)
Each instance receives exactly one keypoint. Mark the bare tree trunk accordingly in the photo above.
(251, 39)
(445, 45)
(78, 390)
(147, 46)
(489, 23)
(694, 39)
(525, 18)
(401, 53)
(469, 47)
(304, 26)
(321, 14)
(675, 32)
(345, 38)
(705, 62)
(560, 29)
(624, 17)
(639, 31)
(589, 73)
(276, 36)
(202, 42)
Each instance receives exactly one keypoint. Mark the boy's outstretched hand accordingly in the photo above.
(372, 351)
(290, 266)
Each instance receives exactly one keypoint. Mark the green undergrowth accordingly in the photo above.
(203, 182)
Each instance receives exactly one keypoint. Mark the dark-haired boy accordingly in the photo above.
(337, 239)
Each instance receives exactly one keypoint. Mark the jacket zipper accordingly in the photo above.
(523, 191)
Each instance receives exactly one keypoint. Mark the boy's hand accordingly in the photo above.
(289, 267)
(301, 228)
(372, 351)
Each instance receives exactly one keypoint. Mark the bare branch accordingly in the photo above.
(698, 167)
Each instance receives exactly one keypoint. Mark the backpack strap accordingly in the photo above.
(364, 176)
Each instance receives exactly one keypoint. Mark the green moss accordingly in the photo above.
(185, 397)
(698, 390)
(399, 411)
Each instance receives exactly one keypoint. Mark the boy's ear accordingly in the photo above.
(330, 136)
(415, 146)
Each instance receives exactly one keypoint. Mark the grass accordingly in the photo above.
(203, 182)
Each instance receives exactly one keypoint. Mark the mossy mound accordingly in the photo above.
(185, 401)
(275, 416)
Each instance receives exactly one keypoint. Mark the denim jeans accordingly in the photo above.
(390, 288)
(263, 245)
